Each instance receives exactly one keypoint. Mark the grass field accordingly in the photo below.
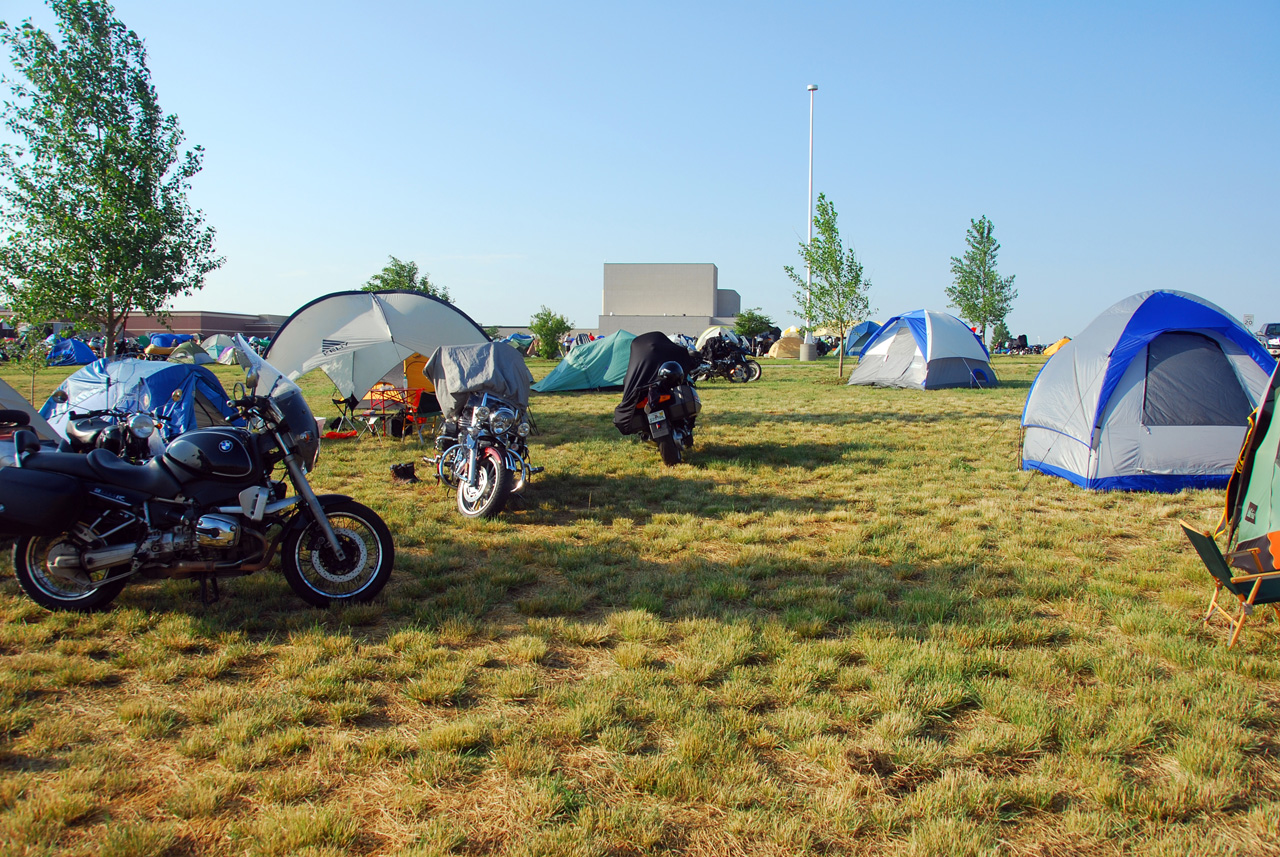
(850, 624)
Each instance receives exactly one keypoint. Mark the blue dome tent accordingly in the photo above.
(924, 350)
(858, 336)
(145, 385)
(1154, 395)
(71, 352)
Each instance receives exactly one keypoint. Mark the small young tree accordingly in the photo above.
(838, 297)
(549, 326)
(751, 322)
(979, 292)
(403, 275)
(999, 334)
(30, 355)
(93, 208)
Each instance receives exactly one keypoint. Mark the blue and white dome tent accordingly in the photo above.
(1154, 395)
(926, 351)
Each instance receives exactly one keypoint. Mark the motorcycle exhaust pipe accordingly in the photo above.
(107, 557)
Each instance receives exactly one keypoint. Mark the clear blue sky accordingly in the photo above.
(512, 148)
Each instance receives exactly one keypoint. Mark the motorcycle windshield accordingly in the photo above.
(263, 379)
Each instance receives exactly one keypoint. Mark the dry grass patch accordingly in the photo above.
(850, 624)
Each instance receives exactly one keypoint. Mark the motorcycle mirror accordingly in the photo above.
(60, 396)
(251, 379)
(177, 396)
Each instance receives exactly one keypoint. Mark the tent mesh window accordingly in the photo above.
(1190, 382)
(206, 412)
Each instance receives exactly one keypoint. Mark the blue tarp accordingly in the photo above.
(71, 352)
(169, 340)
(145, 385)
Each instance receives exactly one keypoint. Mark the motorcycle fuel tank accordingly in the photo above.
(212, 453)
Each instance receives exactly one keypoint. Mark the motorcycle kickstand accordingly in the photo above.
(207, 582)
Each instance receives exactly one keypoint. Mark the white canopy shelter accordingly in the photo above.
(357, 337)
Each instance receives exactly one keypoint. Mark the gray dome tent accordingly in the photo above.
(1153, 395)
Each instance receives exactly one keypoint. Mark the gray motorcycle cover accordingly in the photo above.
(490, 367)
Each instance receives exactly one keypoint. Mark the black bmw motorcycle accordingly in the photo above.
(659, 403)
(206, 507)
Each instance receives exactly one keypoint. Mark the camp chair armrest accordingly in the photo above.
(1249, 553)
(1248, 578)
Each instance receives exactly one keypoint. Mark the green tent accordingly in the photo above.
(1252, 516)
(591, 365)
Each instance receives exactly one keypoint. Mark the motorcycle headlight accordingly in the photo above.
(142, 426)
(502, 420)
(480, 415)
(523, 430)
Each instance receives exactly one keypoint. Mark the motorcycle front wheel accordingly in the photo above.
(32, 564)
(493, 484)
(315, 572)
(669, 448)
(754, 368)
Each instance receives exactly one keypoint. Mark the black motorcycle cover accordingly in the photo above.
(648, 352)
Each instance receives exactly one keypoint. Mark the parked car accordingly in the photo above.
(1270, 336)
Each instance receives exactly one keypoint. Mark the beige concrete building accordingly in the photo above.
(667, 297)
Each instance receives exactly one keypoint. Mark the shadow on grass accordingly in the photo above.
(584, 583)
(673, 491)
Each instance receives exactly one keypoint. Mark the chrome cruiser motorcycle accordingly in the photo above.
(207, 507)
(483, 450)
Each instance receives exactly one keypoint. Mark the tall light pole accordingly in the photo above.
(808, 270)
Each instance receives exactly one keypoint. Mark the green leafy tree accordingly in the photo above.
(549, 326)
(405, 276)
(29, 355)
(838, 297)
(999, 334)
(94, 215)
(751, 322)
(979, 292)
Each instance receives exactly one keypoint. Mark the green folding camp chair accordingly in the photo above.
(1252, 590)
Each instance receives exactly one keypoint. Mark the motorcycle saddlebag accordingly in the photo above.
(36, 502)
(684, 403)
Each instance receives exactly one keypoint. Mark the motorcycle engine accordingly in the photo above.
(210, 531)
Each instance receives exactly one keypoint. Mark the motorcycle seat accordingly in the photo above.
(68, 463)
(103, 466)
(148, 477)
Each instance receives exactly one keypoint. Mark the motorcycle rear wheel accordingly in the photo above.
(755, 370)
(493, 485)
(319, 577)
(669, 448)
(31, 566)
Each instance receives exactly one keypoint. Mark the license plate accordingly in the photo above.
(657, 417)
